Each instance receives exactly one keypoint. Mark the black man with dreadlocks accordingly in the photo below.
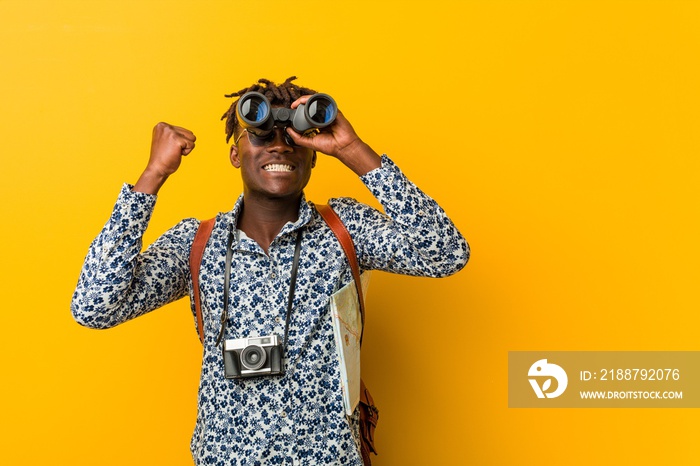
(297, 417)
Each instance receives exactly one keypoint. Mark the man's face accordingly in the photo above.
(273, 169)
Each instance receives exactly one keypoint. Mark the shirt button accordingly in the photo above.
(278, 319)
(421, 213)
(273, 275)
(283, 414)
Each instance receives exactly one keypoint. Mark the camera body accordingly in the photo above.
(252, 357)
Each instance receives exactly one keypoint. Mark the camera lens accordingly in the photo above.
(253, 109)
(321, 110)
(253, 357)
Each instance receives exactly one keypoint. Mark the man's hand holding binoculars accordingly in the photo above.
(338, 140)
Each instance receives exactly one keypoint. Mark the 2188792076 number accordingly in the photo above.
(640, 374)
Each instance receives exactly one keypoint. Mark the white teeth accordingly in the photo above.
(278, 167)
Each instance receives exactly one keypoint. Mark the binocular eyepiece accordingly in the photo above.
(256, 115)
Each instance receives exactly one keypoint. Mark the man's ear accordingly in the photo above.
(313, 160)
(235, 161)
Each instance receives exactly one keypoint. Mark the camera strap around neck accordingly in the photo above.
(202, 236)
(227, 281)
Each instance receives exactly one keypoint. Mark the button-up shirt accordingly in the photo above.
(297, 418)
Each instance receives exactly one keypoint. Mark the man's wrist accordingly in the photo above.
(150, 182)
(360, 157)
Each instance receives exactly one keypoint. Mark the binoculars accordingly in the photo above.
(257, 116)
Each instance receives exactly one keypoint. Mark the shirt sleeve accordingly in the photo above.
(414, 236)
(118, 281)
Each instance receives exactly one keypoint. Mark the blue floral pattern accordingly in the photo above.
(297, 418)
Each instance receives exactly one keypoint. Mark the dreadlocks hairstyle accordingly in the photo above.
(278, 94)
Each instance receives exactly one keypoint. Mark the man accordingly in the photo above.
(297, 417)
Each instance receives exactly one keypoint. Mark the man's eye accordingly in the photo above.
(256, 139)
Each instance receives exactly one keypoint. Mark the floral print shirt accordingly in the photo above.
(297, 418)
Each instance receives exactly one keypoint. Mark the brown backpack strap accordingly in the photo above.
(369, 414)
(336, 224)
(200, 242)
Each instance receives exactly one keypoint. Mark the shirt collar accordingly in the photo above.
(305, 215)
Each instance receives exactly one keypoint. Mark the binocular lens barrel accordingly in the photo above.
(253, 108)
(321, 110)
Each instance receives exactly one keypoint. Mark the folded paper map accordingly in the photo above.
(347, 326)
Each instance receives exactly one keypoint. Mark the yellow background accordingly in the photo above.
(561, 136)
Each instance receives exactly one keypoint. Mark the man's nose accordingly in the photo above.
(281, 141)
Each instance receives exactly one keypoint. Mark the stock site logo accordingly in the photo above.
(545, 372)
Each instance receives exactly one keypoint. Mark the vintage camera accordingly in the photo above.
(253, 356)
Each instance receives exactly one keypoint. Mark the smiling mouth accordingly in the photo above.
(278, 167)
